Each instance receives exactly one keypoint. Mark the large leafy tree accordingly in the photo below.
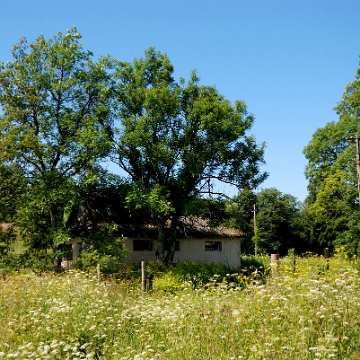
(240, 210)
(279, 222)
(333, 203)
(54, 125)
(175, 139)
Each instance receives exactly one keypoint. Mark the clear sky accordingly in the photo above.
(289, 60)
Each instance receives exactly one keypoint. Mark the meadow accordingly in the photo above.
(307, 309)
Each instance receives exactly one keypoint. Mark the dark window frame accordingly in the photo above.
(213, 246)
(142, 245)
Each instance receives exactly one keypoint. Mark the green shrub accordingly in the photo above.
(168, 283)
(254, 268)
(195, 274)
(199, 273)
(37, 261)
(105, 249)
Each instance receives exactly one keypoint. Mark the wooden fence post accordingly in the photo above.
(143, 276)
(98, 273)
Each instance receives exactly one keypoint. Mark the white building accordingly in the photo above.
(198, 243)
(225, 250)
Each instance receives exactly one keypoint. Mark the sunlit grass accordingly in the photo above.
(309, 309)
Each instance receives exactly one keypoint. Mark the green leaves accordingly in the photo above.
(278, 222)
(331, 171)
(104, 248)
(156, 200)
(12, 185)
(185, 135)
(56, 105)
(176, 140)
(278, 219)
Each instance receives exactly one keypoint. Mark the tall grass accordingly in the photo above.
(309, 309)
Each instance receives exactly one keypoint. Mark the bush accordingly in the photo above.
(254, 262)
(195, 274)
(199, 273)
(105, 249)
(183, 273)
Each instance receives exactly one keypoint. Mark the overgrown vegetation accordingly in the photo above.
(103, 249)
(310, 311)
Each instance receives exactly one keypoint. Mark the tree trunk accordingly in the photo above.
(172, 241)
(166, 242)
(160, 251)
(56, 264)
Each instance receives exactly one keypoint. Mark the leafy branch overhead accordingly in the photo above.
(183, 134)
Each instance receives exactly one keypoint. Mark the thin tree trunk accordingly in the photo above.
(172, 241)
(160, 251)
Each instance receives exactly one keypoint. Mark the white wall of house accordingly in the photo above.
(225, 250)
(220, 250)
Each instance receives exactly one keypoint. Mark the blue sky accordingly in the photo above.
(289, 60)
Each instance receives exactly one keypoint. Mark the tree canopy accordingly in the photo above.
(333, 202)
(62, 114)
(277, 225)
(279, 222)
(175, 139)
(54, 125)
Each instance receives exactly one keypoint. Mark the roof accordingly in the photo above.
(187, 227)
(198, 227)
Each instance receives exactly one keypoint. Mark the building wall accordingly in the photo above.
(194, 249)
(189, 249)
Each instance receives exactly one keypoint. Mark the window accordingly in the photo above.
(142, 245)
(212, 245)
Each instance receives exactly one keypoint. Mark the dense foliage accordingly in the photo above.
(174, 140)
(333, 202)
(277, 226)
(63, 114)
(54, 125)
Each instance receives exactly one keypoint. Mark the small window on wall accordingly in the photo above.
(212, 245)
(142, 245)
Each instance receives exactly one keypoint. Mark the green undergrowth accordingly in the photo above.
(308, 308)
(193, 274)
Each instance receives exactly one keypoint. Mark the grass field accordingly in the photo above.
(310, 310)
